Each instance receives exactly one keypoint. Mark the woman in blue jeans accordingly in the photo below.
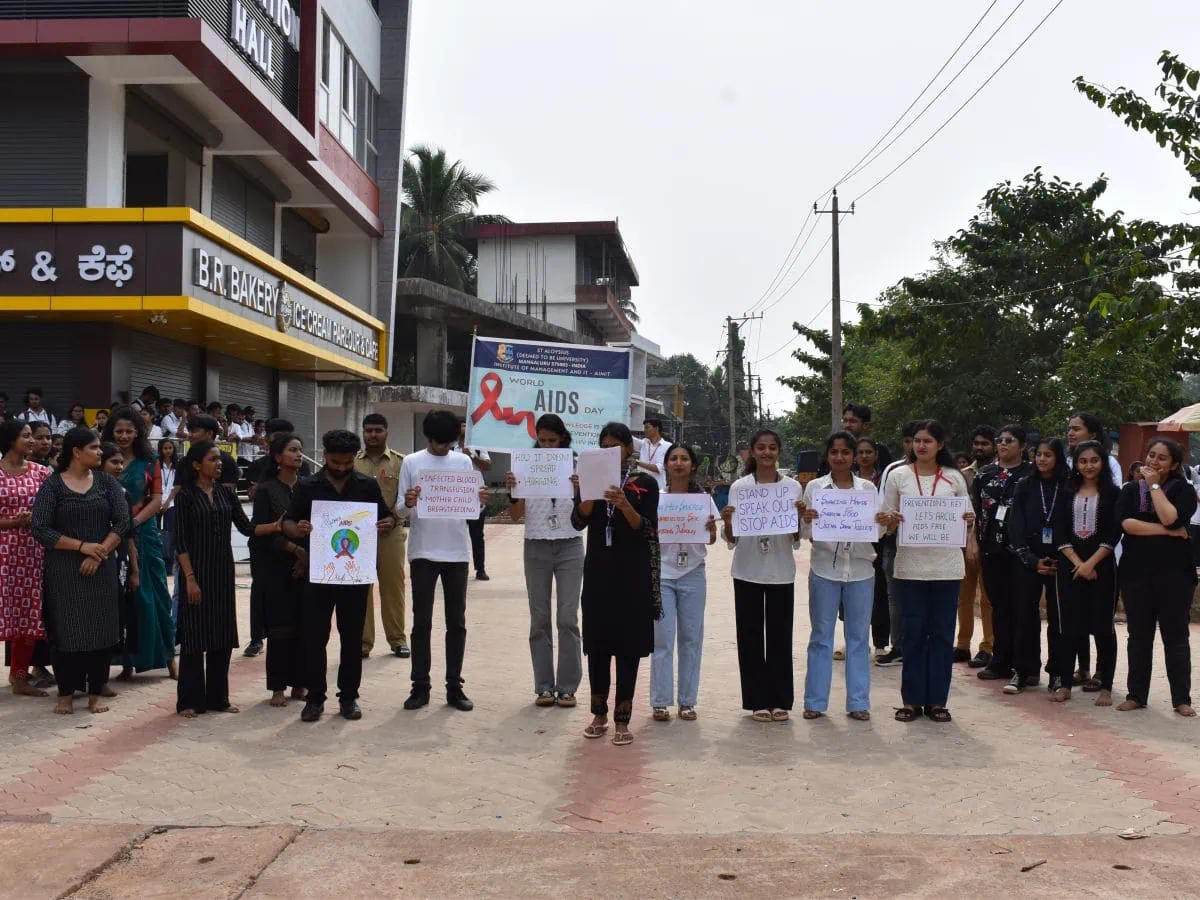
(927, 577)
(841, 575)
(684, 590)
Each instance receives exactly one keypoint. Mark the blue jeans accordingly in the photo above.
(856, 599)
(683, 613)
(930, 616)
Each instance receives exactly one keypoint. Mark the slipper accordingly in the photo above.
(908, 714)
(780, 715)
(595, 731)
(687, 713)
(566, 701)
(761, 715)
(1092, 685)
(860, 715)
(545, 698)
(812, 714)
(622, 738)
(938, 713)
(662, 714)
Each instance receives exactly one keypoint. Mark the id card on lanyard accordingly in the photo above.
(1047, 514)
(608, 528)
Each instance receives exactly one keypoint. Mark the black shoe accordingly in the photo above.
(417, 699)
(982, 658)
(1016, 685)
(402, 651)
(1033, 680)
(253, 648)
(961, 655)
(482, 576)
(459, 701)
(351, 711)
(891, 658)
(312, 711)
(993, 675)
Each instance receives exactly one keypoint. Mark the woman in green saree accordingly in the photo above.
(155, 642)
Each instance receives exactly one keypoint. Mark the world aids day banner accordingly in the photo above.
(513, 383)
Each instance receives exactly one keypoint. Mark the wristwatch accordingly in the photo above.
(1156, 487)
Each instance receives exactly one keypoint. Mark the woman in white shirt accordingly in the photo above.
(684, 592)
(553, 555)
(927, 577)
(841, 575)
(764, 591)
(74, 419)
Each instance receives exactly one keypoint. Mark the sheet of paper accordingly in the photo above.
(343, 544)
(683, 518)
(543, 473)
(448, 494)
(761, 510)
(846, 517)
(933, 521)
(598, 470)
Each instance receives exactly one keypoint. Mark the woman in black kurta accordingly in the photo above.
(79, 516)
(621, 596)
(281, 569)
(204, 513)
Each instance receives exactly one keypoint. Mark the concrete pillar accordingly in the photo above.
(106, 144)
(206, 177)
(432, 356)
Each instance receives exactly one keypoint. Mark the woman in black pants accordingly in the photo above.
(1031, 538)
(1157, 574)
(1086, 530)
(867, 466)
(621, 598)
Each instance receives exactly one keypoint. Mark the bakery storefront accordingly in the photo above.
(95, 302)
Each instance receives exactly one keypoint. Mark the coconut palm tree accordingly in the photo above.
(440, 199)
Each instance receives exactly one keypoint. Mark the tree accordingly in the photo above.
(440, 199)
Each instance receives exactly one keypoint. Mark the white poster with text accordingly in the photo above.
(343, 544)
(761, 510)
(683, 518)
(448, 494)
(845, 517)
(543, 473)
(933, 521)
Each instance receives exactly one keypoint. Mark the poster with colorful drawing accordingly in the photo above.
(342, 546)
(514, 383)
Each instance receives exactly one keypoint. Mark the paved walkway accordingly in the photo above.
(1006, 766)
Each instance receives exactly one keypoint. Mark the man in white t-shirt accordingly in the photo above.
(437, 548)
(652, 454)
(482, 461)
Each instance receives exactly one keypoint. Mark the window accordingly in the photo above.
(348, 103)
(323, 99)
(333, 87)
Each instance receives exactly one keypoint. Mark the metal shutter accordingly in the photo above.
(170, 366)
(246, 384)
(260, 218)
(299, 243)
(242, 206)
(37, 355)
(302, 412)
(43, 140)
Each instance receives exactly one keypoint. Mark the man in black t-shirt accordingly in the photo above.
(206, 428)
(254, 471)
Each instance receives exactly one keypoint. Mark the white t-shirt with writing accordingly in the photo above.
(439, 540)
(679, 559)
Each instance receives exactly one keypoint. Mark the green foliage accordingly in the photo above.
(706, 418)
(440, 199)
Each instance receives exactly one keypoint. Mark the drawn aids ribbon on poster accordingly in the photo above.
(345, 542)
(490, 386)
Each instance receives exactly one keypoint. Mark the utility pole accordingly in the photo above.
(731, 353)
(835, 355)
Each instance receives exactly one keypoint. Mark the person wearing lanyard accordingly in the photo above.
(842, 576)
(992, 496)
(1031, 539)
(684, 593)
(867, 467)
(553, 555)
(621, 595)
(1086, 532)
(764, 592)
(927, 578)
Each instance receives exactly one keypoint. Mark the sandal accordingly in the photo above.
(566, 701)
(687, 713)
(1185, 710)
(908, 714)
(938, 713)
(1092, 685)
(622, 738)
(812, 714)
(761, 715)
(595, 731)
(1079, 677)
(1130, 705)
(662, 714)
(545, 698)
(860, 715)
(780, 715)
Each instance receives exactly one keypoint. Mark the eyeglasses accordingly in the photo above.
(1007, 440)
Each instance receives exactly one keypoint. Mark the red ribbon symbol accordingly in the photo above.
(345, 551)
(490, 386)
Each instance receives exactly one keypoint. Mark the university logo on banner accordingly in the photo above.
(514, 383)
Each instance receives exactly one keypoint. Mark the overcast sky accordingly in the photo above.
(710, 128)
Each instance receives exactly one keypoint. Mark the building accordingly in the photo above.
(642, 406)
(200, 195)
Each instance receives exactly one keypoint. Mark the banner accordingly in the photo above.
(543, 473)
(846, 517)
(683, 518)
(448, 494)
(761, 510)
(514, 382)
(343, 544)
(933, 521)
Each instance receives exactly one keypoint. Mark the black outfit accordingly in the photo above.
(992, 495)
(202, 528)
(280, 592)
(478, 550)
(229, 473)
(621, 596)
(322, 601)
(424, 574)
(1158, 580)
(255, 471)
(1087, 607)
(1034, 506)
(82, 613)
(763, 615)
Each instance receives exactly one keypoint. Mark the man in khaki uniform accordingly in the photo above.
(383, 464)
